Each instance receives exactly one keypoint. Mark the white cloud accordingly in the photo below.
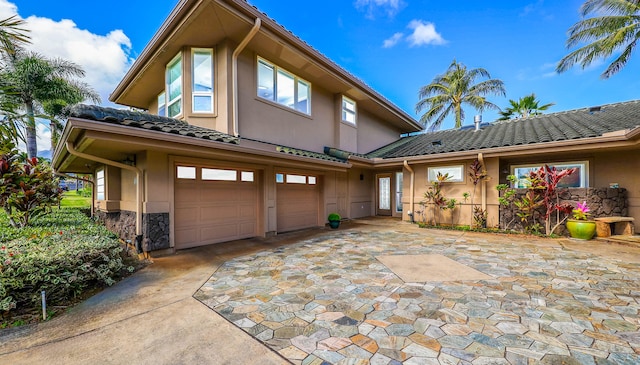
(372, 7)
(105, 58)
(424, 33)
(388, 43)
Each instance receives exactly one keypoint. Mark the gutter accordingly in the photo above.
(234, 72)
(139, 191)
(412, 193)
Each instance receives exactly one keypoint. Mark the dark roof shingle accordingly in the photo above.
(568, 125)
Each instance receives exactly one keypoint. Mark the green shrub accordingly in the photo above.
(334, 217)
(64, 253)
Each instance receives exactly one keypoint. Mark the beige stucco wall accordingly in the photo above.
(361, 193)
(373, 133)
(462, 214)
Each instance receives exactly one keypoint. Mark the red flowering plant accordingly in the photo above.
(581, 212)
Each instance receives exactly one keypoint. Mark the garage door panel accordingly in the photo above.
(297, 206)
(214, 211)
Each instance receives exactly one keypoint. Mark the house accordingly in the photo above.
(251, 132)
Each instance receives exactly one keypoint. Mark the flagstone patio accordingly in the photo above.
(330, 299)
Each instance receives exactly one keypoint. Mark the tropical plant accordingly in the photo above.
(477, 173)
(448, 92)
(434, 196)
(41, 87)
(27, 188)
(581, 212)
(613, 28)
(12, 35)
(524, 107)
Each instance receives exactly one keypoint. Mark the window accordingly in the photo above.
(186, 172)
(246, 176)
(578, 179)
(399, 177)
(312, 180)
(162, 104)
(202, 80)
(348, 110)
(296, 179)
(219, 174)
(280, 86)
(174, 86)
(100, 184)
(456, 173)
(280, 178)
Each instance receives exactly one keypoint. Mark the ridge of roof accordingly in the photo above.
(581, 123)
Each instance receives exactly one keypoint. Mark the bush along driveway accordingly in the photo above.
(340, 298)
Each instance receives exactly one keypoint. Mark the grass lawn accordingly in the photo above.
(71, 199)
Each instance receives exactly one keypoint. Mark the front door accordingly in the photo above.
(383, 194)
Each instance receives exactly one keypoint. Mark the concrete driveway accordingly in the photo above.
(349, 297)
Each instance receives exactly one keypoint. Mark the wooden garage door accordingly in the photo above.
(298, 201)
(214, 205)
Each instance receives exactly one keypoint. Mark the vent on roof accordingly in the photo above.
(595, 109)
(436, 143)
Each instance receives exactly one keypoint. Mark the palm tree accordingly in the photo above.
(42, 87)
(446, 93)
(615, 28)
(11, 34)
(524, 107)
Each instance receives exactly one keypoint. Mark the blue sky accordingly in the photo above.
(395, 46)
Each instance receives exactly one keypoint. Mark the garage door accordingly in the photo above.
(214, 205)
(298, 201)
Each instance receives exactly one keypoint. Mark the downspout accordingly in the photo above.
(234, 72)
(93, 185)
(139, 191)
(483, 188)
(411, 193)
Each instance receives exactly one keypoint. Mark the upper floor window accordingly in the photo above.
(174, 86)
(162, 104)
(283, 87)
(348, 110)
(202, 80)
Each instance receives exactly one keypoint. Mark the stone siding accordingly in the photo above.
(603, 202)
(155, 227)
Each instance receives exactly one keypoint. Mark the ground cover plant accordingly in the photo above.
(64, 253)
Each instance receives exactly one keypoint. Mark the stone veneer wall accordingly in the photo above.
(155, 227)
(603, 202)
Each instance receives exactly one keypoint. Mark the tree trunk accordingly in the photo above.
(31, 138)
(458, 111)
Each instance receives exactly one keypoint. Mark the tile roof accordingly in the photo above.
(174, 126)
(568, 125)
(147, 121)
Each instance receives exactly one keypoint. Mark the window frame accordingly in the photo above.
(432, 173)
(100, 184)
(583, 171)
(275, 96)
(178, 99)
(162, 103)
(195, 93)
(346, 111)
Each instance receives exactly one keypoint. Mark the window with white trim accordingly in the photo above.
(174, 86)
(283, 87)
(348, 110)
(100, 185)
(579, 179)
(456, 173)
(219, 174)
(296, 179)
(186, 172)
(202, 80)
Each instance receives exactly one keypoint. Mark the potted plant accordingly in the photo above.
(334, 220)
(580, 227)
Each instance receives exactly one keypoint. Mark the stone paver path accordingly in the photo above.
(328, 300)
